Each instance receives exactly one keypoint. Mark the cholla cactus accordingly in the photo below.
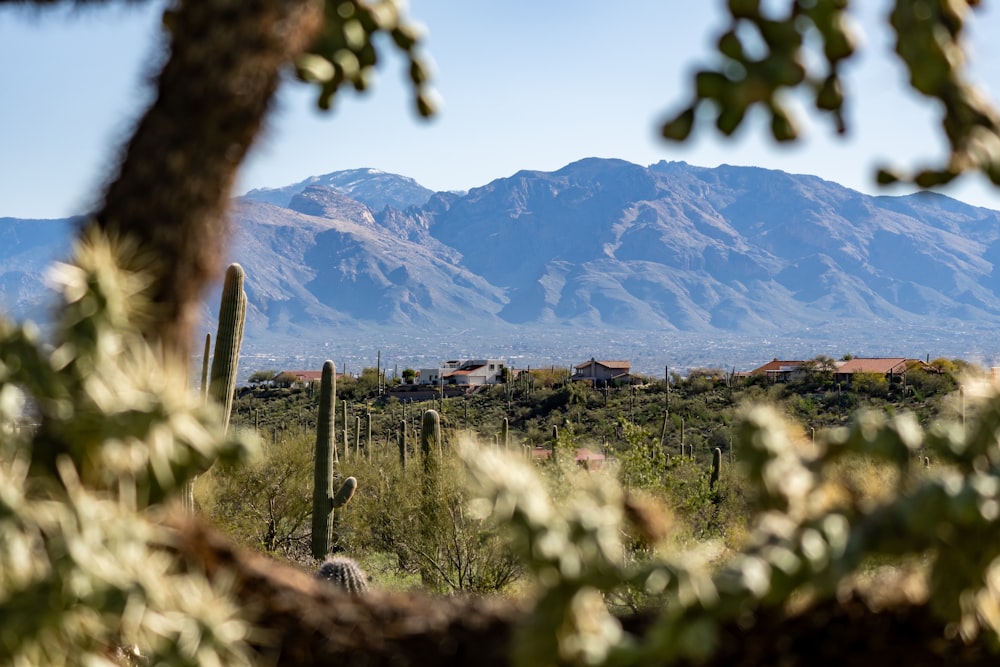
(343, 573)
(120, 432)
(803, 538)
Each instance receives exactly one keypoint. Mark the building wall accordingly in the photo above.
(489, 373)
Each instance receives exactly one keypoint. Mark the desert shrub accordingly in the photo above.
(701, 380)
(266, 503)
(284, 380)
(870, 384)
(929, 383)
(465, 552)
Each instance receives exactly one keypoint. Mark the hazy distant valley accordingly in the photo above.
(667, 264)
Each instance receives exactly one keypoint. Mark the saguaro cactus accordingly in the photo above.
(357, 436)
(368, 431)
(322, 526)
(347, 447)
(431, 512)
(716, 467)
(204, 366)
(505, 433)
(430, 434)
(225, 360)
(401, 441)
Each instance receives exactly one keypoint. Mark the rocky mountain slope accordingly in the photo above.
(598, 244)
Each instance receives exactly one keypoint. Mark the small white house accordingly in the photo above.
(467, 372)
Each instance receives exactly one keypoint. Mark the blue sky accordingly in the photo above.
(524, 85)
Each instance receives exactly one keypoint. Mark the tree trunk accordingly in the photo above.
(175, 178)
(309, 623)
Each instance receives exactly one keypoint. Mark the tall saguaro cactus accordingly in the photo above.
(347, 448)
(368, 439)
(716, 468)
(357, 436)
(204, 366)
(401, 441)
(322, 525)
(432, 513)
(555, 444)
(505, 433)
(430, 435)
(225, 361)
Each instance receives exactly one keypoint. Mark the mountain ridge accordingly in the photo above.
(600, 244)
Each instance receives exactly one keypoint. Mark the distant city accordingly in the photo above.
(648, 352)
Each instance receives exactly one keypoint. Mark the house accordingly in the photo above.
(780, 371)
(301, 377)
(289, 378)
(893, 368)
(600, 373)
(468, 372)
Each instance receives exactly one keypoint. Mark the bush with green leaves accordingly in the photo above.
(265, 503)
(870, 384)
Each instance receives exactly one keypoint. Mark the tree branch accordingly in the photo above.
(175, 178)
(307, 622)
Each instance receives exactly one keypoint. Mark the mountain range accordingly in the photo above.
(599, 245)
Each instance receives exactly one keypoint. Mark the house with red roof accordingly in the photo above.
(893, 368)
(780, 370)
(303, 377)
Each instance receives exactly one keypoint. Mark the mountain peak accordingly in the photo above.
(324, 202)
(372, 187)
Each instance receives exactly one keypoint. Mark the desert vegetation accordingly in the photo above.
(676, 450)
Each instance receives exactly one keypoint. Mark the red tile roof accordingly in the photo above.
(607, 364)
(465, 371)
(777, 366)
(875, 365)
(304, 375)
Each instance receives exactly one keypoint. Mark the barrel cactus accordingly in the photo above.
(344, 573)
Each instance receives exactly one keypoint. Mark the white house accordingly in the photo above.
(468, 372)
